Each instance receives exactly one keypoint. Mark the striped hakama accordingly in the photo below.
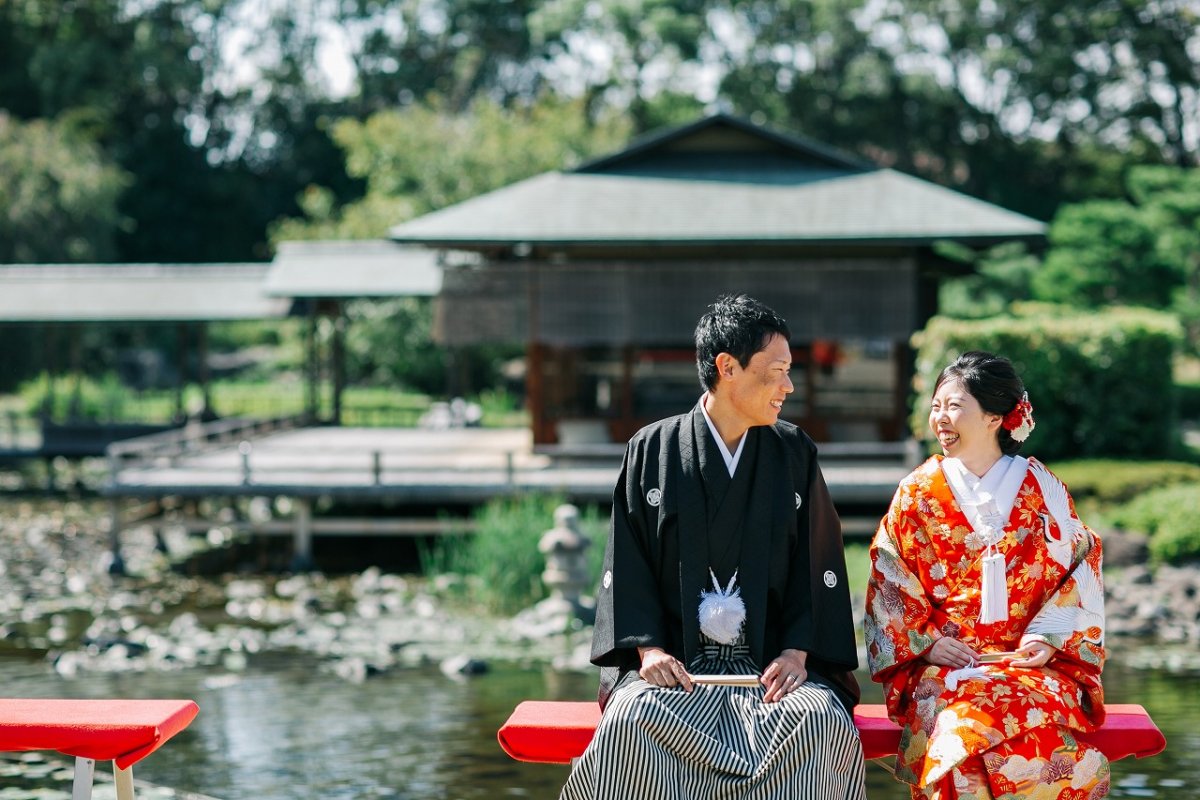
(720, 742)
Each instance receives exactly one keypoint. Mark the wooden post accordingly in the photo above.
(85, 772)
(302, 560)
(117, 566)
(377, 467)
(244, 450)
(124, 781)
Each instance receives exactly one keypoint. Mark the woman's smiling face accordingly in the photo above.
(959, 422)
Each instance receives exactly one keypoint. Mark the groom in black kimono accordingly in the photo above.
(726, 500)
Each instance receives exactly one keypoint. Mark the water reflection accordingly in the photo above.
(285, 729)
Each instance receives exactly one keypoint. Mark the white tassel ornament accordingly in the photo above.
(994, 604)
(722, 611)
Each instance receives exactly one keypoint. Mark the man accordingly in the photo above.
(725, 559)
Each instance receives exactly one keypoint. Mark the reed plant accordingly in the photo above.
(499, 565)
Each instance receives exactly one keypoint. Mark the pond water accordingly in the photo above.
(283, 729)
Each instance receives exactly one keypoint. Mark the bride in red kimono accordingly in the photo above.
(985, 607)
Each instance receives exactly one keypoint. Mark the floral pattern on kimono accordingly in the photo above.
(1015, 724)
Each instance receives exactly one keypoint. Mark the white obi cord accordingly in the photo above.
(987, 503)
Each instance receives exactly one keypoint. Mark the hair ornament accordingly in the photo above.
(1019, 422)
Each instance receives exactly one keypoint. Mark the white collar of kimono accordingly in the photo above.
(731, 461)
(987, 501)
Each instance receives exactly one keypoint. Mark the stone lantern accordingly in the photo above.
(565, 549)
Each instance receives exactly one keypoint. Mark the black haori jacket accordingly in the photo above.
(791, 566)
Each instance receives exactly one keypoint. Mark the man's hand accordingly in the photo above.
(659, 668)
(783, 675)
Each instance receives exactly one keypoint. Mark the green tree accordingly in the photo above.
(1105, 252)
(427, 156)
(213, 156)
(999, 277)
(1024, 103)
(1171, 197)
(58, 194)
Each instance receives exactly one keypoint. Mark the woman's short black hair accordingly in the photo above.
(993, 382)
(738, 325)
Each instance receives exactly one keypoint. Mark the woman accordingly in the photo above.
(985, 607)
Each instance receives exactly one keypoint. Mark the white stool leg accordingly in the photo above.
(124, 779)
(85, 770)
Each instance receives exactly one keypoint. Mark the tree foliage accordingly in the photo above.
(427, 156)
(222, 111)
(58, 194)
(1139, 251)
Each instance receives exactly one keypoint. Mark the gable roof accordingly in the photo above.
(720, 137)
(720, 181)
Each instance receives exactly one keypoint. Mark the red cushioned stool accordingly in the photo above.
(555, 732)
(121, 731)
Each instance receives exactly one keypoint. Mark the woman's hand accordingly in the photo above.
(660, 668)
(783, 675)
(950, 652)
(1035, 653)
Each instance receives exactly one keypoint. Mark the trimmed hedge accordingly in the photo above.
(1110, 481)
(1170, 517)
(1100, 382)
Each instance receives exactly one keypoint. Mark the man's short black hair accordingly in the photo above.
(738, 325)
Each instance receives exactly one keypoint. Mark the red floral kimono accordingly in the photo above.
(989, 731)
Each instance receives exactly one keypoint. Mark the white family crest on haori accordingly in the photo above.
(722, 611)
(654, 497)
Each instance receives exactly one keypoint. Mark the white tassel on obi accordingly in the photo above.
(994, 604)
(722, 611)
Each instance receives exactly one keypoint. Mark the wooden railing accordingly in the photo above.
(195, 438)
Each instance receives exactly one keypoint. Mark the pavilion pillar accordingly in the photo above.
(75, 344)
(207, 412)
(339, 361)
(535, 393)
(181, 348)
(311, 407)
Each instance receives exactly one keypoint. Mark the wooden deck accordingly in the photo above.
(463, 465)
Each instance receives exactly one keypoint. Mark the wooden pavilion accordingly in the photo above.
(603, 270)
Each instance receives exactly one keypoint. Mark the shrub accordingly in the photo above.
(75, 397)
(1111, 481)
(1169, 516)
(1101, 384)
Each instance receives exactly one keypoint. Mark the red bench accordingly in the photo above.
(554, 732)
(121, 731)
